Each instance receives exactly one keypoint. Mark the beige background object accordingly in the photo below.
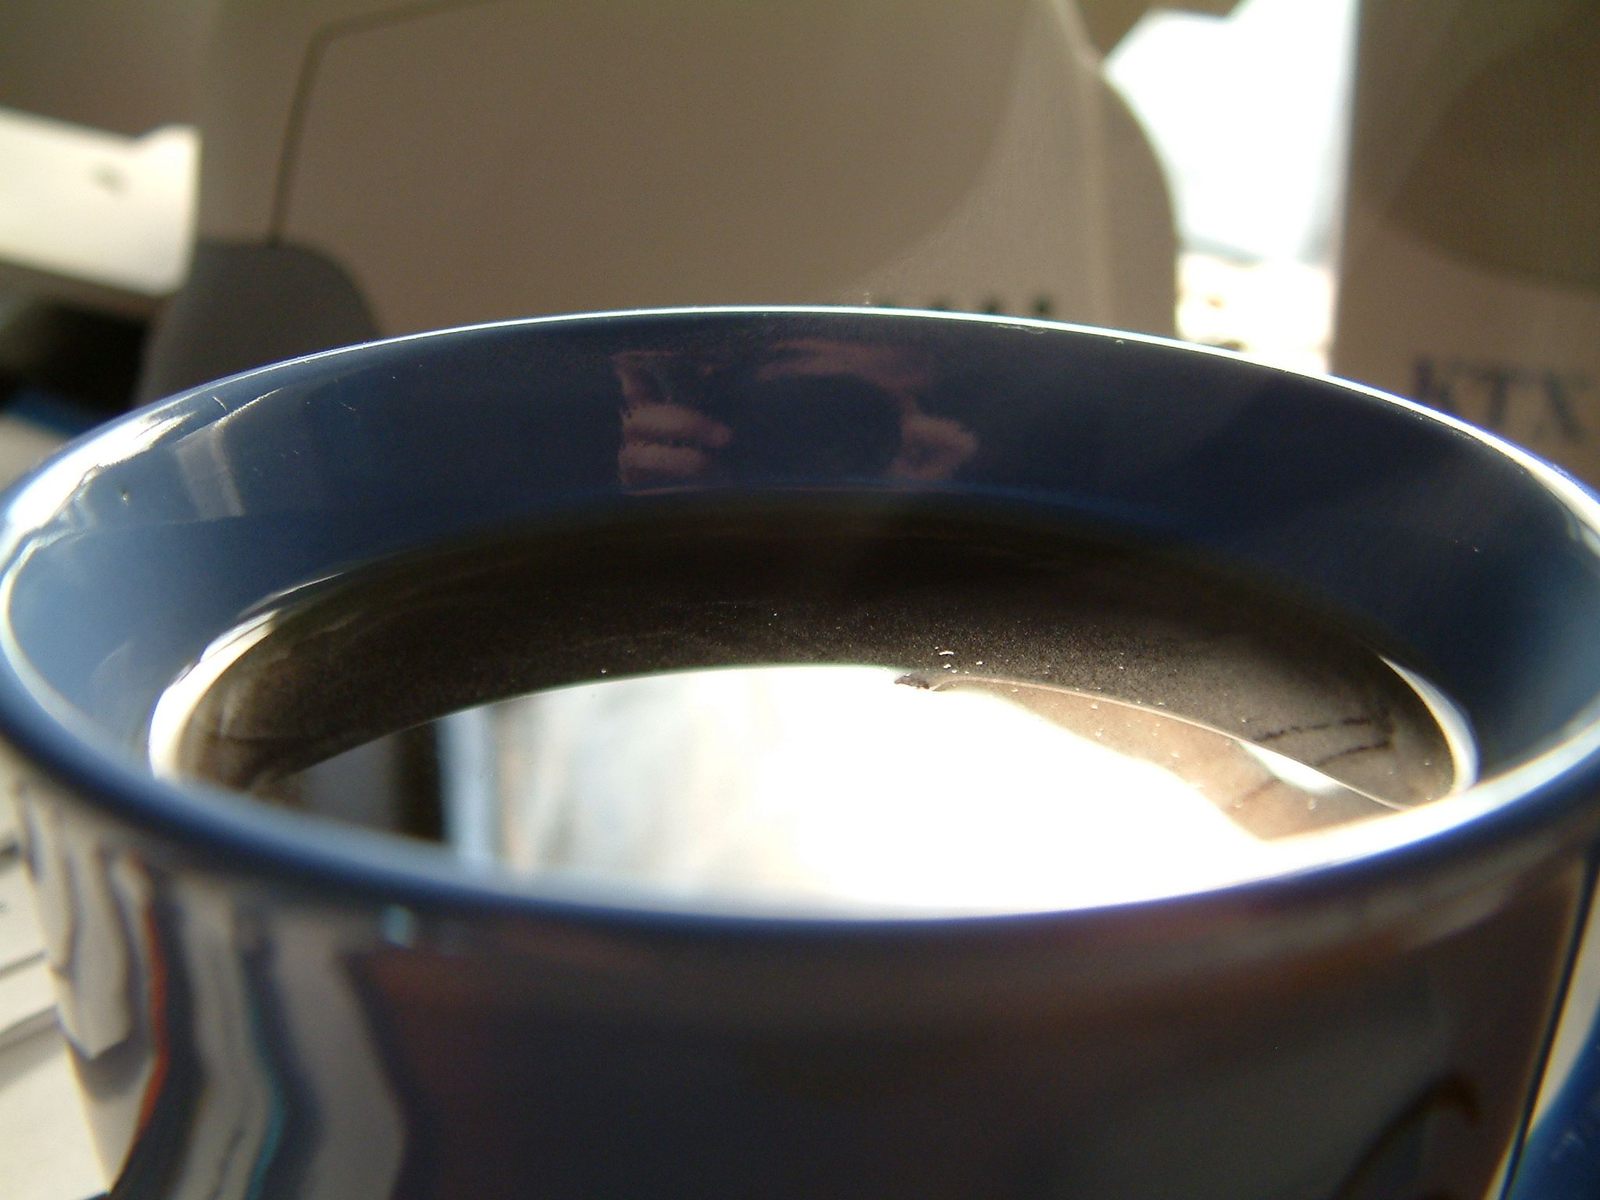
(1471, 263)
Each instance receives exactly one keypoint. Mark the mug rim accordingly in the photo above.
(1509, 818)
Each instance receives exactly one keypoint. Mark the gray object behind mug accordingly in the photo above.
(376, 168)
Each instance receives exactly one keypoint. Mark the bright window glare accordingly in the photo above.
(1247, 114)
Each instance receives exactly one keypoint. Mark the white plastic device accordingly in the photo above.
(480, 159)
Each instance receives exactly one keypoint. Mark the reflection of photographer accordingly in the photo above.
(818, 407)
(666, 435)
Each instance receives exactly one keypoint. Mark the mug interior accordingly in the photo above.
(130, 553)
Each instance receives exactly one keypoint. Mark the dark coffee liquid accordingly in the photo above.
(812, 701)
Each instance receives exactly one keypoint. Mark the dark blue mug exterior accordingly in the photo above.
(262, 1005)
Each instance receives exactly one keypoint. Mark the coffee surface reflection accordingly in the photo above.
(821, 706)
(854, 786)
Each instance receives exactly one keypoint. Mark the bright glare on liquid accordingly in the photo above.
(829, 787)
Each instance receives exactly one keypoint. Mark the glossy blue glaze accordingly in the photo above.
(264, 1006)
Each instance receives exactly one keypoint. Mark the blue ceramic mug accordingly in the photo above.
(263, 1003)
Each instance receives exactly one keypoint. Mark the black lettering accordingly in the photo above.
(1501, 380)
(1558, 389)
(1432, 386)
